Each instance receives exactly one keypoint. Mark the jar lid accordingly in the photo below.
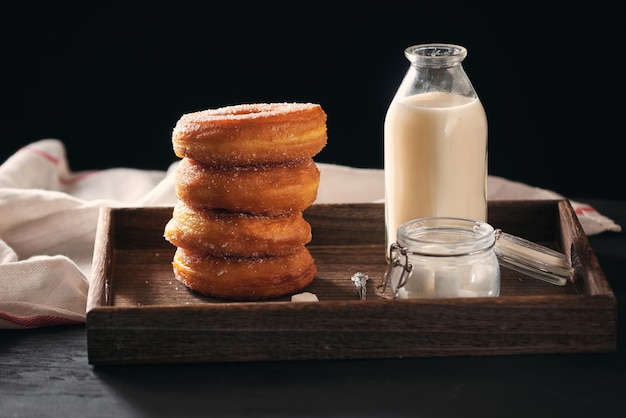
(532, 259)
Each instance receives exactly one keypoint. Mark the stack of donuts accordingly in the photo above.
(246, 175)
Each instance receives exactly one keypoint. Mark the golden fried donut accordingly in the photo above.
(218, 232)
(245, 278)
(250, 134)
(263, 190)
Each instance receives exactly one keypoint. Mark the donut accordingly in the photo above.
(251, 134)
(218, 232)
(247, 278)
(262, 190)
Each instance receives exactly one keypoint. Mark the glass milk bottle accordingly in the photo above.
(435, 141)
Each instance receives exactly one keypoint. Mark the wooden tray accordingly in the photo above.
(137, 312)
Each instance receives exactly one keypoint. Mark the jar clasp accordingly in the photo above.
(398, 272)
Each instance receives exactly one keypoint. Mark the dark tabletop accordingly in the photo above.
(45, 372)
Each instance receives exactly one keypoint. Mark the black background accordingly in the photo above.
(110, 79)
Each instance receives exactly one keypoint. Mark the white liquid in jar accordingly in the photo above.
(435, 159)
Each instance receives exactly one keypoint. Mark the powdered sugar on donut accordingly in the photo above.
(249, 134)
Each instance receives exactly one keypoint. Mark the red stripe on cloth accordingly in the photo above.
(66, 181)
(36, 321)
(581, 210)
(41, 153)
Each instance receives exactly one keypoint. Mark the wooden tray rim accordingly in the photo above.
(602, 301)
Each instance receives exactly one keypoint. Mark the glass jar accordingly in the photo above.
(435, 141)
(442, 257)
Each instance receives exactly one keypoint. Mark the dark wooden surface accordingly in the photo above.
(139, 313)
(45, 373)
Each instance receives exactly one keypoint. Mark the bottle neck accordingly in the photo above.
(436, 68)
(437, 79)
(436, 55)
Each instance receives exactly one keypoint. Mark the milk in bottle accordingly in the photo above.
(435, 142)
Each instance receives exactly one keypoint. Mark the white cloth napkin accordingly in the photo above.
(48, 219)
